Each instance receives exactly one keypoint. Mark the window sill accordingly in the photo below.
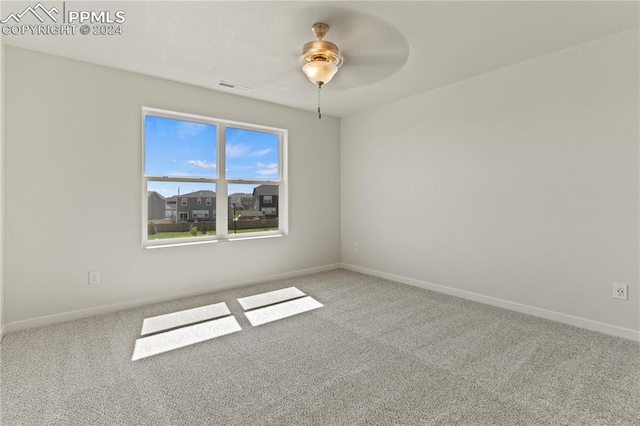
(226, 239)
(250, 237)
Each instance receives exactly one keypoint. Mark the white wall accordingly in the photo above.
(520, 184)
(73, 185)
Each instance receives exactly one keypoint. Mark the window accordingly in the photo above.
(202, 214)
(237, 168)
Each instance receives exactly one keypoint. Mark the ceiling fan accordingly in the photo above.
(320, 59)
(370, 50)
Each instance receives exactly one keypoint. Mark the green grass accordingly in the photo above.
(186, 234)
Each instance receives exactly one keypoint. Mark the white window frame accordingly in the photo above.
(220, 180)
(269, 197)
(199, 201)
(207, 201)
(183, 202)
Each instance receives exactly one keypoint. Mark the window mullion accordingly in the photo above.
(222, 212)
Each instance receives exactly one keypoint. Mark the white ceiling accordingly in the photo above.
(392, 49)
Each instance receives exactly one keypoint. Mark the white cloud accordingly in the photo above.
(204, 164)
(267, 172)
(260, 153)
(240, 167)
(267, 169)
(189, 128)
(268, 166)
(236, 150)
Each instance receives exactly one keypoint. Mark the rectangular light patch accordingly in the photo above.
(270, 298)
(181, 337)
(282, 310)
(189, 316)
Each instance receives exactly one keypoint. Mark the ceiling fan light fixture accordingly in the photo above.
(320, 59)
(320, 72)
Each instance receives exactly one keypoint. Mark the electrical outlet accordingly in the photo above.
(94, 277)
(355, 247)
(620, 291)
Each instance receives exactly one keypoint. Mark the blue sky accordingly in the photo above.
(185, 149)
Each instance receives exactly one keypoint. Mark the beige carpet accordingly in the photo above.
(377, 352)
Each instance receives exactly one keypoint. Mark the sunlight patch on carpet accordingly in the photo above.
(282, 310)
(269, 298)
(185, 336)
(186, 317)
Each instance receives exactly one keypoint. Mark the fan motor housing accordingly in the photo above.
(321, 50)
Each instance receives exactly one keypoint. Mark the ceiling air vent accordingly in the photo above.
(234, 86)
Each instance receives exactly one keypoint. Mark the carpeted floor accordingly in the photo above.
(378, 352)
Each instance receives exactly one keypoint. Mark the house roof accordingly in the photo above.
(150, 193)
(266, 190)
(199, 194)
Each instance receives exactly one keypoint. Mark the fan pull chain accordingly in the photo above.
(319, 113)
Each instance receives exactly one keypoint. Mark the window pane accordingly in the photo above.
(173, 210)
(179, 148)
(251, 154)
(253, 208)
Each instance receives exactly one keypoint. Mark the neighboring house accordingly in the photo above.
(172, 201)
(156, 206)
(249, 215)
(242, 201)
(265, 200)
(170, 207)
(247, 201)
(170, 211)
(196, 206)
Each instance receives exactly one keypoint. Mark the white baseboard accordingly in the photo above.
(106, 309)
(613, 330)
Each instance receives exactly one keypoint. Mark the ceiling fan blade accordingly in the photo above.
(364, 69)
(374, 57)
(372, 50)
(291, 78)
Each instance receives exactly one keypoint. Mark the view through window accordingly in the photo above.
(207, 179)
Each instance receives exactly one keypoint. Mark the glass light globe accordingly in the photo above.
(320, 71)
